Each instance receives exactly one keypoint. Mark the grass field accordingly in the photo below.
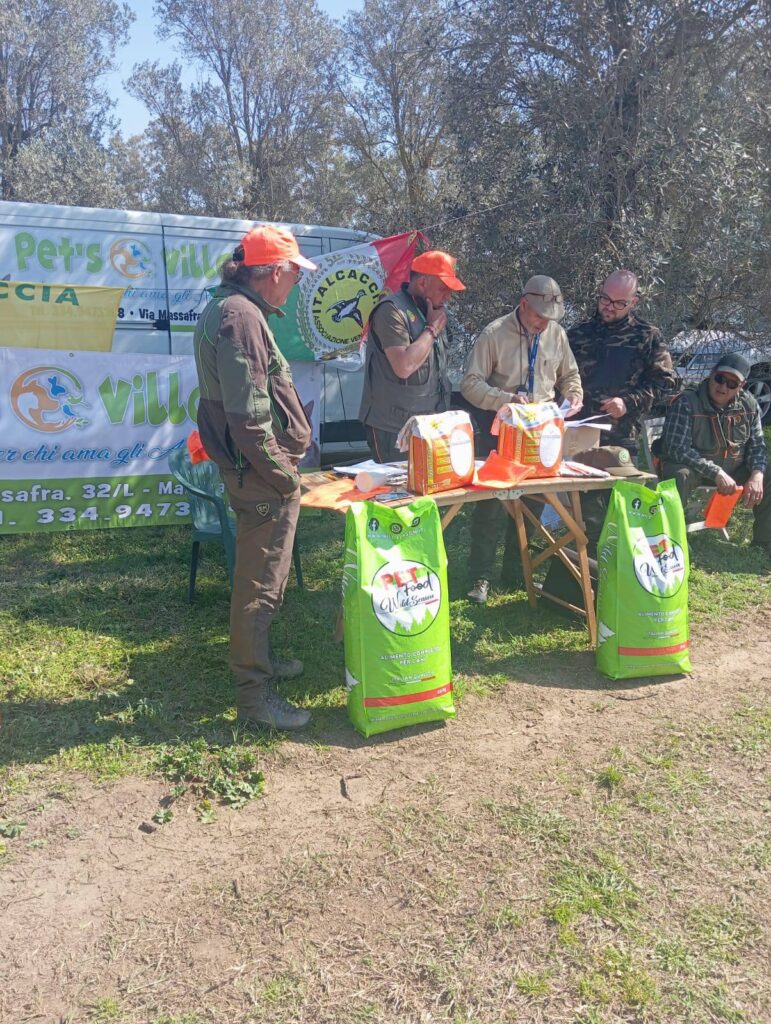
(105, 665)
(618, 880)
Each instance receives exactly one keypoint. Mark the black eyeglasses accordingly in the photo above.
(725, 382)
(615, 303)
(556, 297)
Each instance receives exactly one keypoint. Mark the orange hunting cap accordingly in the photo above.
(441, 265)
(269, 243)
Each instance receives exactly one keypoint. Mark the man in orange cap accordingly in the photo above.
(405, 372)
(253, 425)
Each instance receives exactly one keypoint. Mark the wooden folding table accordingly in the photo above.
(548, 490)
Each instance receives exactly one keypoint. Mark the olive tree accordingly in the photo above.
(53, 54)
(620, 132)
(254, 131)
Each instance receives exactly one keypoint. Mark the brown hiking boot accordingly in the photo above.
(268, 708)
(287, 668)
(480, 591)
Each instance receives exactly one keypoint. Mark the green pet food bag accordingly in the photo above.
(397, 619)
(642, 602)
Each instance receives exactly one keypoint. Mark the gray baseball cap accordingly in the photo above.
(544, 296)
(732, 362)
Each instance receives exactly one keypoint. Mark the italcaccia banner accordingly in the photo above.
(85, 437)
(60, 316)
(328, 313)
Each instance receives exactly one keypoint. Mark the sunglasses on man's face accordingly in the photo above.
(726, 382)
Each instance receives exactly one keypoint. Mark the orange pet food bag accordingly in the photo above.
(441, 452)
(532, 435)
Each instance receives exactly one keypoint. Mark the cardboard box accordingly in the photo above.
(580, 439)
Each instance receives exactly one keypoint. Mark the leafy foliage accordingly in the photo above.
(52, 55)
(229, 773)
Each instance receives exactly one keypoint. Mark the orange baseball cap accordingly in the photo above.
(441, 265)
(269, 243)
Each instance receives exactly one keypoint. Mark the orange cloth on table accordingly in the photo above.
(499, 473)
(337, 495)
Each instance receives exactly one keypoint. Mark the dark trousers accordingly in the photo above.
(487, 523)
(265, 529)
(382, 444)
(595, 504)
(688, 480)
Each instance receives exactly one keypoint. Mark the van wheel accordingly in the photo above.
(760, 389)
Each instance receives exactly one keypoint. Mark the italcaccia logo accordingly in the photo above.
(335, 304)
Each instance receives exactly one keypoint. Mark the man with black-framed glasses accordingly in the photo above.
(624, 362)
(713, 435)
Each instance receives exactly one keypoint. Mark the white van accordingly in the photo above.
(165, 263)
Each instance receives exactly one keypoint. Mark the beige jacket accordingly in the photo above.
(497, 365)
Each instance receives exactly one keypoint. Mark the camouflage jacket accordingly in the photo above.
(626, 359)
(250, 416)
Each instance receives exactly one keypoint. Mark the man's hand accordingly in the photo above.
(753, 489)
(576, 405)
(435, 317)
(615, 407)
(726, 484)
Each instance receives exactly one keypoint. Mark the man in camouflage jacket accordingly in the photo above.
(624, 363)
(253, 425)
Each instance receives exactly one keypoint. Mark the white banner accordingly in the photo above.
(84, 433)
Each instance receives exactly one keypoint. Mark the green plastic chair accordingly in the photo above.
(213, 519)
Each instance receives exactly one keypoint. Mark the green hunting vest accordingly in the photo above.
(387, 402)
(720, 434)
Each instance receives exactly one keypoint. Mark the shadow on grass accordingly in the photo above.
(711, 553)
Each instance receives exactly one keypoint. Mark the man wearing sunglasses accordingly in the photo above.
(713, 435)
(625, 365)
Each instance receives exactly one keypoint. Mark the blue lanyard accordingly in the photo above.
(532, 354)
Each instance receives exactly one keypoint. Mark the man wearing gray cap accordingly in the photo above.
(521, 357)
(713, 435)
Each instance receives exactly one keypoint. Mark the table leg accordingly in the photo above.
(514, 508)
(583, 561)
(450, 514)
(339, 626)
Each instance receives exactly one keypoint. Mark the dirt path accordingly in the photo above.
(99, 917)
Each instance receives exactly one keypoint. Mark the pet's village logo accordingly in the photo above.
(335, 303)
(48, 399)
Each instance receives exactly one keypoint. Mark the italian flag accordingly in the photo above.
(326, 315)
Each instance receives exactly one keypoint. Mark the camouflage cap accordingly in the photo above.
(612, 458)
